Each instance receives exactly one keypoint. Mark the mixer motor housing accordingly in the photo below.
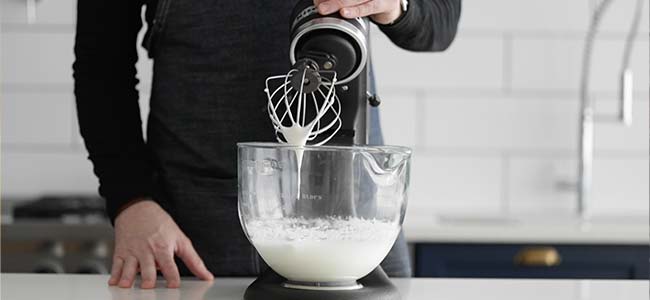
(333, 43)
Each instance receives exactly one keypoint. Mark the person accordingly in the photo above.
(172, 198)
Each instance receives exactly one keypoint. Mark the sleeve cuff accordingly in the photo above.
(123, 181)
(117, 198)
(402, 23)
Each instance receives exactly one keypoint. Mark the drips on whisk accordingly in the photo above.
(303, 104)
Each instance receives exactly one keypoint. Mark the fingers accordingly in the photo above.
(169, 269)
(128, 272)
(365, 9)
(331, 6)
(116, 271)
(148, 272)
(124, 271)
(192, 260)
(353, 8)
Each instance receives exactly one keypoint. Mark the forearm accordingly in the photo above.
(107, 101)
(428, 25)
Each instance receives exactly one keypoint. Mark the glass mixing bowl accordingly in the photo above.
(323, 214)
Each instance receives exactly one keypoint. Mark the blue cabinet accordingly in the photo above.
(532, 261)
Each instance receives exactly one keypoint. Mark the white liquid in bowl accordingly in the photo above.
(323, 250)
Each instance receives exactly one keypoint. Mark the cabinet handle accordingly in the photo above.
(538, 257)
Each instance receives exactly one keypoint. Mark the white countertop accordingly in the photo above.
(84, 287)
(631, 230)
(527, 229)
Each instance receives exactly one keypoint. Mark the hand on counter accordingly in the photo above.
(191, 290)
(146, 240)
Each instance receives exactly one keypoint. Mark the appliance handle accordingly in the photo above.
(538, 256)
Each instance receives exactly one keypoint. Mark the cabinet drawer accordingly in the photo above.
(532, 261)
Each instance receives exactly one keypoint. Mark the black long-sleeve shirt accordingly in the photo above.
(105, 82)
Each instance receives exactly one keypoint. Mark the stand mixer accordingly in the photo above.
(320, 207)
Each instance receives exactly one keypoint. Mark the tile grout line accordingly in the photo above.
(506, 63)
(505, 183)
(558, 153)
(40, 148)
(420, 120)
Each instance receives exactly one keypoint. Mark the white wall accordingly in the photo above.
(493, 121)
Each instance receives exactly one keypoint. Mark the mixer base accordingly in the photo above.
(315, 286)
(271, 286)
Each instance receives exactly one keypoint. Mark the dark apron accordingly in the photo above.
(210, 62)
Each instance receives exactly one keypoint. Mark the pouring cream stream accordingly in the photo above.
(297, 136)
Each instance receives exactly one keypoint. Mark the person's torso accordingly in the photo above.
(211, 59)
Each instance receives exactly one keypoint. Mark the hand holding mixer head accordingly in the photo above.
(323, 98)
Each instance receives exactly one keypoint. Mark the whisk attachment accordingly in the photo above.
(303, 105)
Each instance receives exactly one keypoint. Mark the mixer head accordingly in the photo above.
(323, 98)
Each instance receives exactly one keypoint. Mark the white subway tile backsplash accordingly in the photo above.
(474, 62)
(144, 66)
(534, 125)
(144, 110)
(620, 185)
(550, 15)
(546, 63)
(607, 62)
(452, 184)
(37, 58)
(618, 17)
(33, 174)
(501, 124)
(555, 64)
(398, 115)
(535, 185)
(524, 15)
(615, 136)
(46, 12)
(34, 118)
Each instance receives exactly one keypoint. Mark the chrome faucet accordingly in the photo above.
(587, 115)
